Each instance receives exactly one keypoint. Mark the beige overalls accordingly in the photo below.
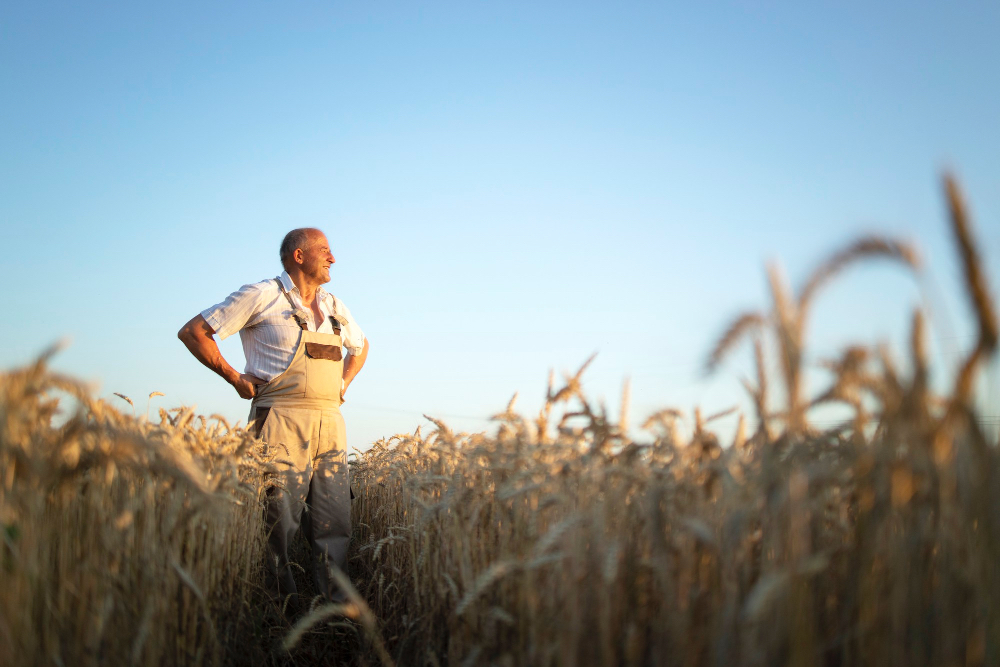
(298, 415)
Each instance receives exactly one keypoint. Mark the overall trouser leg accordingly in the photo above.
(283, 516)
(329, 525)
(291, 434)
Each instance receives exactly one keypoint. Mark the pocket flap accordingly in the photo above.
(321, 351)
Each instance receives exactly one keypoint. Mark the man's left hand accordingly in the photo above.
(352, 365)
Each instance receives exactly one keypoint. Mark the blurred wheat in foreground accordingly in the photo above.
(124, 542)
(555, 540)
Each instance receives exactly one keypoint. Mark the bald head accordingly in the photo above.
(302, 237)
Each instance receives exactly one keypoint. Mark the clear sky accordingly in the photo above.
(508, 187)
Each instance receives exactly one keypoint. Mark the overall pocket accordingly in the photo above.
(259, 418)
(324, 371)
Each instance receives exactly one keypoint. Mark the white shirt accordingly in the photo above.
(262, 315)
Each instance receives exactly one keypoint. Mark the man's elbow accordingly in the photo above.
(358, 356)
(189, 332)
(186, 333)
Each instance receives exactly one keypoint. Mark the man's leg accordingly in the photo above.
(329, 526)
(288, 433)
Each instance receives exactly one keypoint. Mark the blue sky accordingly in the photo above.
(507, 187)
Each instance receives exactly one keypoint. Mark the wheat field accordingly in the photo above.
(554, 539)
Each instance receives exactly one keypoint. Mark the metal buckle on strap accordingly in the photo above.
(302, 323)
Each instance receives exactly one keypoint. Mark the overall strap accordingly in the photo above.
(302, 323)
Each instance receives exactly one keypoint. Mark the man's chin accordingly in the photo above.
(321, 278)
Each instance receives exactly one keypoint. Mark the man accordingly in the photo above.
(292, 332)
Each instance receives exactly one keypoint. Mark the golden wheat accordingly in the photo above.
(556, 539)
(564, 542)
(124, 542)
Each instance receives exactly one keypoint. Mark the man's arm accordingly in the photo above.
(352, 366)
(198, 336)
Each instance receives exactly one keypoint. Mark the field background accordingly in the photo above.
(554, 539)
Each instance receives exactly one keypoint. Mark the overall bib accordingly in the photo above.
(298, 415)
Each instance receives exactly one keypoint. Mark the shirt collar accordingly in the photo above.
(290, 287)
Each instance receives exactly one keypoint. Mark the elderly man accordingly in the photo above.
(292, 332)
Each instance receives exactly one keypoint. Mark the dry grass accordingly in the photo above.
(554, 540)
(124, 542)
(568, 543)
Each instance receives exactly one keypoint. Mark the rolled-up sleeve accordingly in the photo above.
(350, 333)
(235, 312)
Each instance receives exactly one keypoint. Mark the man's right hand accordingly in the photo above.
(246, 385)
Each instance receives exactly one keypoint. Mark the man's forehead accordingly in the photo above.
(317, 236)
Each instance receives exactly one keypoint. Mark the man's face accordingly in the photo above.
(317, 258)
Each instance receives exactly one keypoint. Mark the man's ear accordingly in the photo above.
(299, 256)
